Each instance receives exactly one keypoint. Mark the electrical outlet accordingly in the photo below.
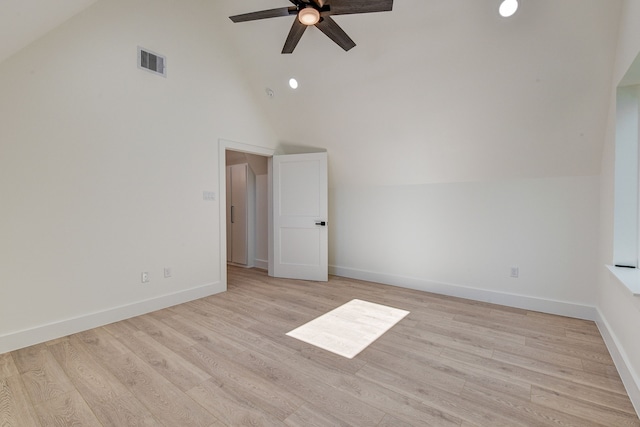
(145, 277)
(515, 272)
(167, 272)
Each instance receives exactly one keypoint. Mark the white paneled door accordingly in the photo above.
(300, 208)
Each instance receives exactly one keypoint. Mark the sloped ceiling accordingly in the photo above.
(440, 90)
(434, 91)
(23, 21)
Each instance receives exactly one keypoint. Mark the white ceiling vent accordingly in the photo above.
(152, 62)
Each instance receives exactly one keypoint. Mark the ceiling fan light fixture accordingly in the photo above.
(508, 8)
(309, 16)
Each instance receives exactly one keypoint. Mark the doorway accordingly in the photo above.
(247, 209)
(297, 232)
(241, 152)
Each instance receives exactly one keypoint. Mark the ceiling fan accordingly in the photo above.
(318, 13)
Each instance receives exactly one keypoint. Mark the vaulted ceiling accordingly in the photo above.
(436, 90)
(24, 21)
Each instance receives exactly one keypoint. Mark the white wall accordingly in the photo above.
(445, 91)
(103, 165)
(619, 309)
(463, 238)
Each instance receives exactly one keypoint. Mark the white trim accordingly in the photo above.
(629, 377)
(630, 277)
(61, 328)
(223, 146)
(542, 305)
(262, 264)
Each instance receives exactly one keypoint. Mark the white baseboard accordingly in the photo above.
(629, 377)
(561, 308)
(50, 331)
(261, 264)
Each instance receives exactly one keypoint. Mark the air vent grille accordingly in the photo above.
(152, 62)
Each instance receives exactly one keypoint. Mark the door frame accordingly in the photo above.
(223, 146)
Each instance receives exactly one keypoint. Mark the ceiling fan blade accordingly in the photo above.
(332, 30)
(319, 3)
(345, 7)
(264, 14)
(295, 34)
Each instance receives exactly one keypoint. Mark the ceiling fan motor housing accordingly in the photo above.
(318, 13)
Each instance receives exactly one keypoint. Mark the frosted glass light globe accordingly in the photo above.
(309, 16)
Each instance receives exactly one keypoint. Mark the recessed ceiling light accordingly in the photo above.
(508, 8)
(293, 83)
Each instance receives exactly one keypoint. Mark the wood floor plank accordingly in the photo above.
(588, 411)
(466, 336)
(225, 360)
(30, 358)
(603, 369)
(162, 398)
(393, 341)
(517, 324)
(583, 336)
(436, 376)
(95, 383)
(125, 410)
(339, 404)
(69, 409)
(395, 404)
(7, 366)
(379, 397)
(205, 336)
(546, 356)
(524, 410)
(231, 406)
(309, 416)
(443, 400)
(526, 324)
(43, 378)
(276, 401)
(489, 379)
(101, 344)
(161, 332)
(15, 407)
(563, 321)
(588, 393)
(474, 328)
(574, 375)
(390, 421)
(167, 363)
(207, 309)
(444, 341)
(574, 348)
(278, 342)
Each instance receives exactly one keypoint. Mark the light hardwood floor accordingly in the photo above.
(225, 361)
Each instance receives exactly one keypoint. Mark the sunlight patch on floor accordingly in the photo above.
(350, 328)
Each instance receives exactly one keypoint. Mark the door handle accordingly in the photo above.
(232, 216)
(321, 223)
